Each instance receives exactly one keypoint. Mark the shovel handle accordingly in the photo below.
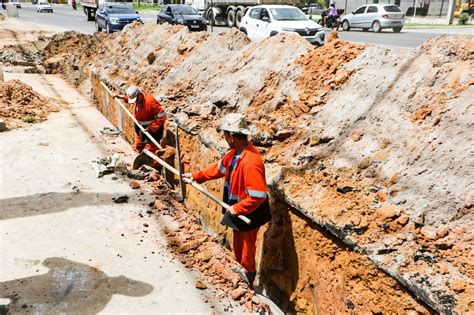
(166, 165)
(195, 185)
(133, 118)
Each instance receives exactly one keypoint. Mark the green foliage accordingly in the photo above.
(30, 119)
(146, 7)
(463, 18)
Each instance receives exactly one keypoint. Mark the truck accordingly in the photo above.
(230, 12)
(90, 7)
(464, 6)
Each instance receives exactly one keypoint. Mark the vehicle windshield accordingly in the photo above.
(120, 10)
(185, 10)
(392, 8)
(44, 3)
(288, 14)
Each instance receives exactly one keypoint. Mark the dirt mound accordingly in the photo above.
(20, 105)
(323, 71)
(370, 145)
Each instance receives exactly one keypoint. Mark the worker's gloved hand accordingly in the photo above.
(187, 178)
(232, 211)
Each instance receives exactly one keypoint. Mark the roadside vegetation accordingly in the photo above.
(146, 7)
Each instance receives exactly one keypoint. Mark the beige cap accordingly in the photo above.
(235, 123)
(132, 93)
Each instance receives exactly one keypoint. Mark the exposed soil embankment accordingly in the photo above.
(371, 146)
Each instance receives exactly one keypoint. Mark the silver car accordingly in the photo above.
(376, 17)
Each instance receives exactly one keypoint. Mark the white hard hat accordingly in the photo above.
(235, 123)
(132, 93)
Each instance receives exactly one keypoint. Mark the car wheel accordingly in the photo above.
(273, 33)
(377, 27)
(108, 28)
(243, 30)
(97, 27)
(345, 25)
(365, 29)
(397, 29)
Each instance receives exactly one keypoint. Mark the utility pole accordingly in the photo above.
(414, 9)
(451, 8)
(212, 19)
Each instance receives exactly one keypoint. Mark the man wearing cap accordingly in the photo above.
(149, 113)
(244, 189)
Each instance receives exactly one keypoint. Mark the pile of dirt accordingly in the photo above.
(323, 71)
(20, 105)
(86, 49)
(379, 141)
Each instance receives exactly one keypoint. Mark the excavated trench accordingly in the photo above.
(362, 221)
(302, 266)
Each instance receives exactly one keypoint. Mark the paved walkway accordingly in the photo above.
(451, 30)
(65, 246)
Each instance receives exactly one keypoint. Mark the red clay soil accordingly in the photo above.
(20, 105)
(323, 69)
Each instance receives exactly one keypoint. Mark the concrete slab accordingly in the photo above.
(66, 247)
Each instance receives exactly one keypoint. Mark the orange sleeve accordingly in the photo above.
(255, 188)
(211, 172)
(215, 171)
(159, 114)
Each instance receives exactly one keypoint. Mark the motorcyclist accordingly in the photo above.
(332, 13)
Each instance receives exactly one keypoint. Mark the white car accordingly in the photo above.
(16, 3)
(268, 20)
(376, 17)
(44, 6)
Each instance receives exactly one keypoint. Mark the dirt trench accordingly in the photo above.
(349, 136)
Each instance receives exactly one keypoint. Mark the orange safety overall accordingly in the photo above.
(151, 116)
(247, 191)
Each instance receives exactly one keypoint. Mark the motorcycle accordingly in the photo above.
(331, 21)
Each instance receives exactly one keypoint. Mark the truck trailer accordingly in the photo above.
(230, 12)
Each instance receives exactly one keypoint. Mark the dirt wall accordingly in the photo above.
(319, 274)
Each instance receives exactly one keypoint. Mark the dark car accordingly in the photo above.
(114, 16)
(182, 14)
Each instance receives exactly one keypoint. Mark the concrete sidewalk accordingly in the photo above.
(449, 30)
(65, 246)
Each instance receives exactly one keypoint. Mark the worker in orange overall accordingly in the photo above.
(244, 189)
(149, 113)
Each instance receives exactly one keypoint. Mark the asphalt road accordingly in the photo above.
(68, 19)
